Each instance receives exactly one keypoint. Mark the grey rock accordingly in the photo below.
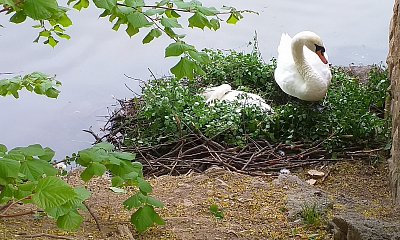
(352, 226)
(301, 194)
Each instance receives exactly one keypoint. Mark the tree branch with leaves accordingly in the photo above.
(158, 18)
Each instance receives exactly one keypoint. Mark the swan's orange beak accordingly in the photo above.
(321, 56)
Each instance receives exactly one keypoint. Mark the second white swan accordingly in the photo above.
(224, 92)
(302, 66)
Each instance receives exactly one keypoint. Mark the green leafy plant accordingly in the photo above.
(171, 109)
(27, 176)
(157, 18)
(125, 172)
(216, 211)
(310, 214)
(36, 82)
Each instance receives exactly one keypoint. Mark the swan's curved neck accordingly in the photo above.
(304, 68)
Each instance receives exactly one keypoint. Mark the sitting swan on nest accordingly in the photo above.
(225, 92)
(302, 70)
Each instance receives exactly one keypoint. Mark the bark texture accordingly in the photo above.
(393, 62)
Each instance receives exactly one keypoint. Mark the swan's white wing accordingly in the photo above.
(247, 99)
(216, 93)
(285, 50)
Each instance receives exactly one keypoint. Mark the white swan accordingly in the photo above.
(224, 92)
(302, 70)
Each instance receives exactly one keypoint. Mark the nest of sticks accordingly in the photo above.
(196, 152)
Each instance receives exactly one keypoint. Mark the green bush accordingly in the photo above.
(350, 114)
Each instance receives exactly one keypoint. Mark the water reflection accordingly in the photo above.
(91, 65)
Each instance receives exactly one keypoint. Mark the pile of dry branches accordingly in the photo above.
(196, 152)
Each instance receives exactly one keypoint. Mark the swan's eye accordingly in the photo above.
(319, 48)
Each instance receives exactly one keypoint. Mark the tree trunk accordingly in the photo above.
(393, 62)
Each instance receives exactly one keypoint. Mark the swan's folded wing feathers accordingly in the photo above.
(284, 48)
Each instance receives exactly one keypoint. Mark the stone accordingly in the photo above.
(352, 226)
(300, 194)
(393, 62)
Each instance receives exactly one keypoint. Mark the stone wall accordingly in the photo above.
(394, 74)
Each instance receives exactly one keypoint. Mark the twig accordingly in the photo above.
(98, 139)
(152, 74)
(326, 175)
(93, 215)
(5, 208)
(17, 214)
(40, 235)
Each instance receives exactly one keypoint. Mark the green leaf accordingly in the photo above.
(82, 193)
(70, 221)
(9, 168)
(65, 36)
(114, 160)
(32, 150)
(40, 9)
(134, 201)
(64, 20)
(233, 18)
(51, 41)
(10, 3)
(154, 11)
(47, 155)
(145, 217)
(18, 17)
(208, 11)
(138, 20)
(172, 14)
(94, 169)
(199, 20)
(124, 155)
(117, 181)
(201, 57)
(215, 24)
(163, 2)
(154, 202)
(144, 186)
(25, 190)
(184, 68)
(3, 148)
(7, 193)
(170, 23)
(105, 4)
(183, 5)
(52, 192)
(125, 168)
(154, 33)
(130, 176)
(135, 3)
(131, 30)
(35, 168)
(81, 4)
(216, 211)
(104, 145)
(59, 211)
(52, 92)
(177, 48)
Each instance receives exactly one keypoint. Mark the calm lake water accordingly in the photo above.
(92, 64)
